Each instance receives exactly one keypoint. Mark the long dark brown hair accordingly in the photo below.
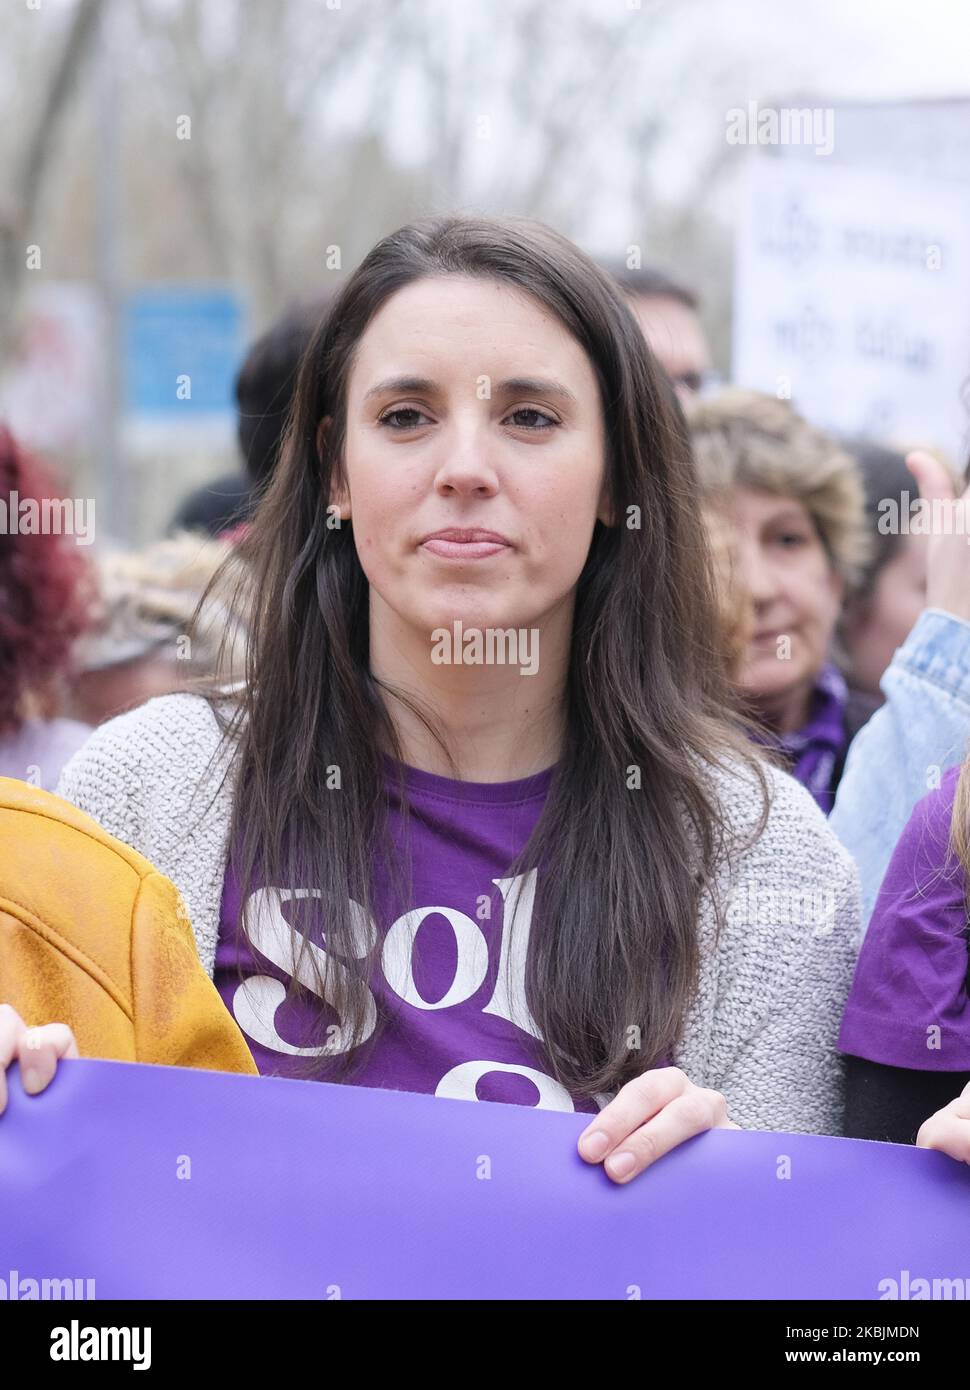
(613, 955)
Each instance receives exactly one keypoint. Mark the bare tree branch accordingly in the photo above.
(39, 149)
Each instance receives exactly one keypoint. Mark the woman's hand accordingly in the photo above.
(647, 1118)
(949, 1129)
(38, 1051)
(948, 553)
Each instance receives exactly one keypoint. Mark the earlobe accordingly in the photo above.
(339, 502)
(604, 508)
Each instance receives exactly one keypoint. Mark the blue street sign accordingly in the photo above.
(183, 346)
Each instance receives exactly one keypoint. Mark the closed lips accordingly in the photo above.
(466, 535)
(457, 544)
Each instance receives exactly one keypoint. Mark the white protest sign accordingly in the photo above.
(852, 297)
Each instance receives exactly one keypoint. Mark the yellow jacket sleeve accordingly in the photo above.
(91, 935)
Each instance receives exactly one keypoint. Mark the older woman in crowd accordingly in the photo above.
(795, 502)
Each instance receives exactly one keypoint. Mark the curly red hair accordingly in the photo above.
(44, 599)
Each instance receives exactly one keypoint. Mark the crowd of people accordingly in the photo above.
(706, 862)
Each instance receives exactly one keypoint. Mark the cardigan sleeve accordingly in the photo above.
(157, 779)
(785, 954)
(105, 779)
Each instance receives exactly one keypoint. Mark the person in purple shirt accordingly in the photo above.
(444, 1007)
(441, 985)
(815, 752)
(858, 699)
(906, 1027)
(487, 828)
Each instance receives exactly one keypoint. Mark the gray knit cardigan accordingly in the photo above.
(764, 1020)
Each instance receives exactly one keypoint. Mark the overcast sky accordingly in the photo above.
(856, 48)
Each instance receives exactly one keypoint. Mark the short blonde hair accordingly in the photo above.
(147, 599)
(747, 439)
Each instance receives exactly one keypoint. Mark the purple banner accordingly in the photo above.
(155, 1182)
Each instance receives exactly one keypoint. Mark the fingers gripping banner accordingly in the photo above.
(155, 1182)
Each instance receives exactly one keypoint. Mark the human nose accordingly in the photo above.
(467, 464)
(757, 574)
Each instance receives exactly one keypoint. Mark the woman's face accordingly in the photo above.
(471, 408)
(876, 625)
(795, 594)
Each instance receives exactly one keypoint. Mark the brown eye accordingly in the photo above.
(537, 419)
(411, 422)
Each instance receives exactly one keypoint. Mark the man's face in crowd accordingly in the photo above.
(676, 339)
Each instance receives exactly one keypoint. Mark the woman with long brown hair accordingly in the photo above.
(478, 822)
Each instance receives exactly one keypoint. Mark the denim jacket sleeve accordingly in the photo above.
(899, 755)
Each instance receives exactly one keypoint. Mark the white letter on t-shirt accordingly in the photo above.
(508, 998)
(461, 1081)
(398, 964)
(255, 1002)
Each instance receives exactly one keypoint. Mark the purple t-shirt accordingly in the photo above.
(815, 750)
(457, 1024)
(908, 1005)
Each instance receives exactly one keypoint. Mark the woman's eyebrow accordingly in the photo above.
(535, 386)
(402, 383)
(789, 515)
(517, 386)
